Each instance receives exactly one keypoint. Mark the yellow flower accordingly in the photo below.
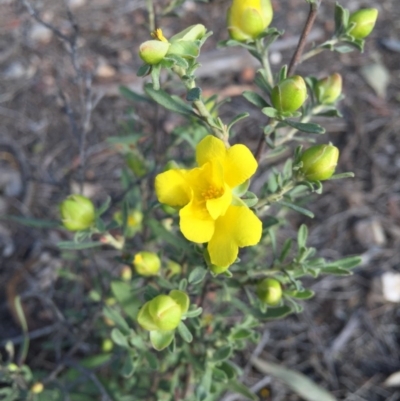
(205, 197)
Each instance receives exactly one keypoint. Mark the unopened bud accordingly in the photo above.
(329, 89)
(37, 388)
(77, 213)
(290, 94)
(319, 162)
(193, 32)
(163, 313)
(364, 21)
(248, 18)
(269, 291)
(153, 51)
(147, 263)
(107, 345)
(126, 273)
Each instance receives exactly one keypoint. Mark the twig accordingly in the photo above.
(314, 6)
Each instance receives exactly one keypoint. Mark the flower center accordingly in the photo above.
(212, 193)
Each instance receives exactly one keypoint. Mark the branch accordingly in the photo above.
(314, 6)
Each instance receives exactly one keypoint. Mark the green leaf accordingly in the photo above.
(297, 208)
(123, 294)
(302, 236)
(239, 388)
(241, 334)
(255, 99)
(274, 313)
(347, 263)
(185, 333)
(270, 112)
(310, 128)
(250, 199)
(221, 354)
(143, 70)
(219, 375)
(155, 76)
(285, 249)
(129, 367)
(194, 312)
(132, 96)
(119, 338)
(239, 117)
(151, 360)
(305, 294)
(193, 94)
(166, 100)
(176, 60)
(78, 245)
(342, 175)
(337, 271)
(283, 73)
(161, 339)
(116, 317)
(229, 370)
(299, 383)
(197, 275)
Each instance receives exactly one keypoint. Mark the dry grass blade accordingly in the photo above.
(299, 383)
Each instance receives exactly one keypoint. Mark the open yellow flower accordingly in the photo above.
(204, 195)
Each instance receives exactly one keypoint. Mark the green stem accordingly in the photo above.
(150, 10)
(263, 52)
(277, 196)
(202, 109)
(317, 50)
(107, 238)
(261, 144)
(289, 136)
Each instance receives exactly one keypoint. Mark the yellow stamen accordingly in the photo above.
(212, 193)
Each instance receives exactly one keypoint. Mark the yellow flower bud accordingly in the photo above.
(77, 213)
(269, 291)
(162, 313)
(248, 18)
(12, 367)
(290, 94)
(319, 162)
(365, 21)
(153, 51)
(37, 388)
(173, 268)
(329, 88)
(147, 263)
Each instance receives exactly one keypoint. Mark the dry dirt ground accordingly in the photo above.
(348, 338)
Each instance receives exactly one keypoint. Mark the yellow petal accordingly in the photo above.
(218, 206)
(196, 223)
(172, 188)
(208, 149)
(239, 165)
(239, 227)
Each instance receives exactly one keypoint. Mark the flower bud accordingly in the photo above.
(77, 213)
(269, 291)
(248, 18)
(319, 162)
(290, 94)
(162, 313)
(147, 263)
(329, 88)
(37, 388)
(153, 51)
(107, 345)
(193, 32)
(126, 273)
(364, 21)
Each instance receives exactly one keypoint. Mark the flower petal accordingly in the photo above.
(239, 165)
(172, 188)
(196, 223)
(210, 149)
(218, 206)
(239, 227)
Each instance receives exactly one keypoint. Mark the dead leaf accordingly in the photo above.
(393, 380)
(377, 77)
